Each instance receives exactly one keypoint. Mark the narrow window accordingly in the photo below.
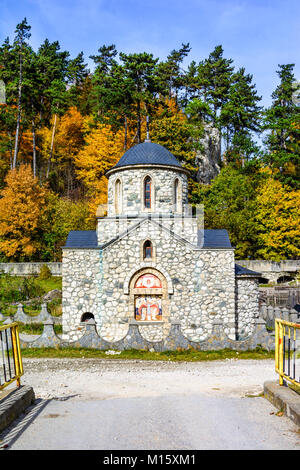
(147, 193)
(118, 201)
(177, 196)
(147, 251)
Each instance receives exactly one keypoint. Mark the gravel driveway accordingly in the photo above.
(120, 404)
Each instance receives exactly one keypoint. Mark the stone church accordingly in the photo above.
(149, 263)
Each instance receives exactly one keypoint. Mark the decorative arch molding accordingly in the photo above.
(142, 268)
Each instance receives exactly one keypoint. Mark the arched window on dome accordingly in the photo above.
(147, 250)
(177, 195)
(147, 192)
(118, 196)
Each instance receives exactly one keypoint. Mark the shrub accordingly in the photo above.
(45, 272)
(16, 289)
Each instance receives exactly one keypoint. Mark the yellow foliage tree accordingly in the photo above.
(63, 139)
(278, 221)
(70, 133)
(102, 151)
(23, 203)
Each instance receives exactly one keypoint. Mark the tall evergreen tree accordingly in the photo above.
(170, 73)
(240, 116)
(101, 82)
(281, 121)
(21, 49)
(214, 79)
(140, 70)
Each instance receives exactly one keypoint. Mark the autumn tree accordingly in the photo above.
(22, 206)
(102, 150)
(229, 203)
(70, 138)
(278, 221)
(62, 216)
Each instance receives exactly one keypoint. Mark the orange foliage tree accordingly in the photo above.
(23, 204)
(102, 151)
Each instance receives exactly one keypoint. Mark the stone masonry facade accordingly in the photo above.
(178, 281)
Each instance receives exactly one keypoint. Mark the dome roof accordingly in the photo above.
(147, 153)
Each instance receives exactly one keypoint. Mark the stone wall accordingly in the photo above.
(132, 189)
(113, 227)
(247, 306)
(200, 285)
(81, 288)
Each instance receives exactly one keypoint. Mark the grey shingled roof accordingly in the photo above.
(82, 239)
(241, 271)
(147, 153)
(88, 239)
(213, 239)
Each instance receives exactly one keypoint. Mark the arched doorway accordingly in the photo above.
(148, 296)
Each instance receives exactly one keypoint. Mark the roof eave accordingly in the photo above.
(147, 165)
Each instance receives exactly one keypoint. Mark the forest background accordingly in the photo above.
(62, 127)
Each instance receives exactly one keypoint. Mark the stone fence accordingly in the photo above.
(27, 269)
(269, 313)
(22, 317)
(134, 339)
(262, 336)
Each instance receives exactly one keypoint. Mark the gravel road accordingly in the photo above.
(119, 404)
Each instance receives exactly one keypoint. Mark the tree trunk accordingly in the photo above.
(18, 118)
(33, 149)
(10, 150)
(139, 122)
(52, 145)
(125, 136)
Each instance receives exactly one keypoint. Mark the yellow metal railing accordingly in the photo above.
(11, 367)
(287, 339)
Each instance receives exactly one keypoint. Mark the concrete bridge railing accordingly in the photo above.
(273, 270)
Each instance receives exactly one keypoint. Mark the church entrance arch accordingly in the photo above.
(149, 296)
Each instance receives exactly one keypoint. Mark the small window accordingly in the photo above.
(118, 197)
(147, 193)
(147, 251)
(177, 196)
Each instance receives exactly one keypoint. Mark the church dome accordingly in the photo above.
(147, 153)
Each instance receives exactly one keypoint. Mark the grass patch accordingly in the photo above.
(36, 328)
(54, 282)
(55, 307)
(21, 289)
(32, 309)
(8, 310)
(190, 355)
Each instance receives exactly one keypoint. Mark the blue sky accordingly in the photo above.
(256, 34)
